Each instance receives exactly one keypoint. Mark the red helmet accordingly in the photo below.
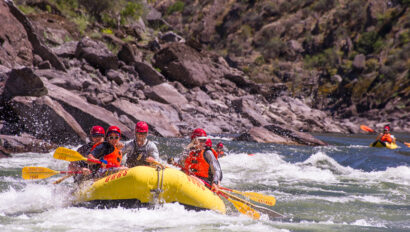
(97, 130)
(141, 127)
(387, 128)
(114, 129)
(208, 143)
(220, 144)
(198, 132)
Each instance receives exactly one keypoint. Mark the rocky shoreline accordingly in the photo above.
(53, 95)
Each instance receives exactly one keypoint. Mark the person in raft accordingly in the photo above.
(386, 136)
(96, 137)
(220, 150)
(140, 150)
(201, 161)
(108, 152)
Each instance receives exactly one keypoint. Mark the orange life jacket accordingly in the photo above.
(114, 158)
(220, 153)
(196, 164)
(386, 138)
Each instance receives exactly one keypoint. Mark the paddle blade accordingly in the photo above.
(31, 173)
(366, 128)
(407, 144)
(66, 154)
(245, 209)
(260, 198)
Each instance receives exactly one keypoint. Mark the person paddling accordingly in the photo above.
(97, 137)
(220, 150)
(201, 161)
(108, 152)
(140, 151)
(386, 136)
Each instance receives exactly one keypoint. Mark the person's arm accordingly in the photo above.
(393, 138)
(153, 151)
(98, 151)
(379, 136)
(215, 167)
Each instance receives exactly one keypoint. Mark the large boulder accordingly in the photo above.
(166, 93)
(97, 54)
(298, 137)
(23, 82)
(25, 143)
(247, 107)
(279, 135)
(66, 50)
(148, 74)
(46, 119)
(87, 115)
(181, 63)
(263, 135)
(160, 117)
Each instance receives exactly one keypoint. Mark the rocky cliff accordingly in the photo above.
(228, 66)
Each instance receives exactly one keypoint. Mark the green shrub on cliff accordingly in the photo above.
(178, 6)
(369, 42)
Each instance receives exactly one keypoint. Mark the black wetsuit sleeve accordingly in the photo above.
(101, 150)
(214, 166)
(84, 151)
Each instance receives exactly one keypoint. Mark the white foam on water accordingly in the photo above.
(170, 217)
(268, 168)
(21, 160)
(363, 222)
(32, 198)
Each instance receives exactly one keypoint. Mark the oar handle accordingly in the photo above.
(70, 172)
(93, 161)
(230, 190)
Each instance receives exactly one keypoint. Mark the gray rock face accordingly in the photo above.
(46, 119)
(38, 47)
(15, 48)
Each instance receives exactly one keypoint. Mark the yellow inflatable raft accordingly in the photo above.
(145, 185)
(378, 143)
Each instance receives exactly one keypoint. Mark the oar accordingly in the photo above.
(368, 129)
(31, 173)
(258, 197)
(62, 178)
(272, 214)
(242, 208)
(67, 154)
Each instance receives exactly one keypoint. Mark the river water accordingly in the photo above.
(346, 186)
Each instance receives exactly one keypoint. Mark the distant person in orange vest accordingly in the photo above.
(386, 136)
(201, 161)
(97, 137)
(220, 150)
